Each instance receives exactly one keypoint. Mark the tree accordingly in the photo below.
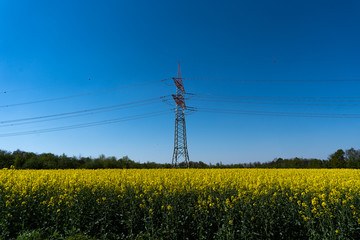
(110, 162)
(337, 159)
(48, 160)
(33, 163)
(352, 158)
(19, 161)
(315, 163)
(6, 159)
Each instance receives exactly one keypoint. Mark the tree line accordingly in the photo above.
(349, 158)
(29, 160)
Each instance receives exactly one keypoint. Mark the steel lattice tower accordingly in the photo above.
(180, 142)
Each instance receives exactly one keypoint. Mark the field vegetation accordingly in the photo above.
(180, 204)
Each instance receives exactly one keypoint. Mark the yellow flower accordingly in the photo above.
(305, 218)
(314, 201)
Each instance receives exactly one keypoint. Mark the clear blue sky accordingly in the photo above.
(50, 49)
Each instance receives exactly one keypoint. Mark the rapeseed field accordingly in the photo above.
(181, 203)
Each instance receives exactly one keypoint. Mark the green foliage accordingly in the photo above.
(337, 160)
(25, 160)
(6, 159)
(30, 235)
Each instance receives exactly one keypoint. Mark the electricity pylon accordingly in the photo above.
(180, 142)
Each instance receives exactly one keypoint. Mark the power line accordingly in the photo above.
(271, 100)
(275, 98)
(114, 107)
(72, 116)
(271, 80)
(261, 102)
(90, 124)
(83, 94)
(278, 114)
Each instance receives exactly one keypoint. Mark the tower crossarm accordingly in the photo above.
(179, 84)
(179, 99)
